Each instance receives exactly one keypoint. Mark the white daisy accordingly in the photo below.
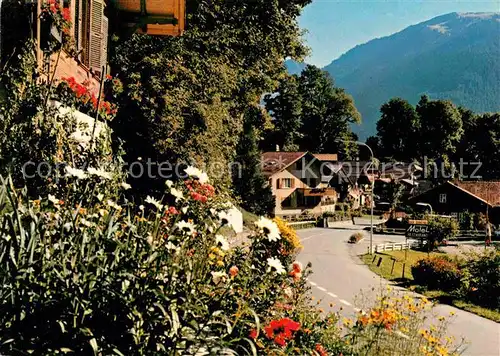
(113, 205)
(222, 241)
(154, 202)
(233, 218)
(100, 173)
(125, 186)
(268, 228)
(203, 178)
(185, 226)
(193, 172)
(176, 193)
(75, 172)
(141, 207)
(275, 264)
(172, 247)
(53, 199)
(218, 277)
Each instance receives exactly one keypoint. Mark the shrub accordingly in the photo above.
(356, 237)
(441, 228)
(437, 273)
(481, 281)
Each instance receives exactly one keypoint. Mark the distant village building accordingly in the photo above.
(458, 197)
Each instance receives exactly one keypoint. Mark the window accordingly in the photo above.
(442, 198)
(286, 183)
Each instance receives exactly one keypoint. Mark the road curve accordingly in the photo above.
(339, 276)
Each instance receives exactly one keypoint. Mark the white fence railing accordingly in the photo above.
(396, 246)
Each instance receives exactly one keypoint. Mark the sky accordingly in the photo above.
(335, 26)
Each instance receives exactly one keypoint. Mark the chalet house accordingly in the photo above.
(298, 184)
(407, 174)
(87, 24)
(455, 198)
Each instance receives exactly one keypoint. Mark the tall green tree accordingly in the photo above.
(184, 97)
(397, 129)
(327, 113)
(440, 128)
(487, 145)
(285, 107)
(311, 114)
(248, 180)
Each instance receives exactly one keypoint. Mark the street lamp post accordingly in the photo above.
(373, 186)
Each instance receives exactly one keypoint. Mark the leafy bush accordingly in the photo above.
(481, 280)
(441, 228)
(437, 273)
(356, 237)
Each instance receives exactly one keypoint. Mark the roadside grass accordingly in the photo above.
(385, 270)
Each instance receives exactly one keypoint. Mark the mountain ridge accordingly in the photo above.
(453, 56)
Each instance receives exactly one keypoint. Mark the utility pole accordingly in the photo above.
(372, 162)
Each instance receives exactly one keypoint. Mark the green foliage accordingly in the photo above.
(438, 272)
(481, 280)
(311, 114)
(398, 129)
(285, 107)
(42, 135)
(440, 127)
(184, 98)
(248, 180)
(440, 228)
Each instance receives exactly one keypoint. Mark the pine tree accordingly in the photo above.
(248, 181)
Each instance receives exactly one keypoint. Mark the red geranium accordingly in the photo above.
(281, 330)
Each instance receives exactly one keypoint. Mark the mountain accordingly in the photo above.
(454, 56)
(294, 67)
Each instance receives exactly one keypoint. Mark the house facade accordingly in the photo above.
(298, 183)
(455, 198)
(83, 35)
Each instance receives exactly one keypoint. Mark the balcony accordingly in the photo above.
(153, 17)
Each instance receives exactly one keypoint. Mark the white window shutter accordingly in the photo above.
(96, 40)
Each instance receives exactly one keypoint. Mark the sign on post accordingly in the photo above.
(417, 231)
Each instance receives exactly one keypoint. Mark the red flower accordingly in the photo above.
(66, 13)
(281, 330)
(108, 77)
(253, 334)
(280, 340)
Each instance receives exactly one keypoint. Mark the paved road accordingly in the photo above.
(339, 277)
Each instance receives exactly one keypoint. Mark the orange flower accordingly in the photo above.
(233, 271)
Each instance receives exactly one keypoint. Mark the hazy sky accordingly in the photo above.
(335, 26)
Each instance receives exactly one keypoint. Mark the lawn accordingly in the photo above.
(399, 259)
(386, 270)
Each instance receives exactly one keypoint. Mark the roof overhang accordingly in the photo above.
(153, 17)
